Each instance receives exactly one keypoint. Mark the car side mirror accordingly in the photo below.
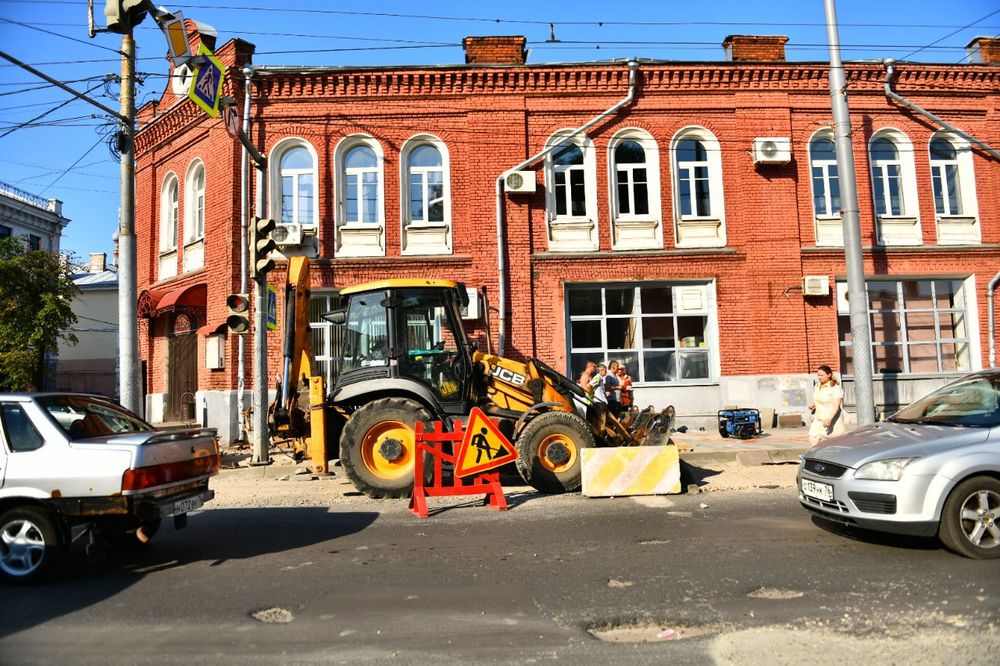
(337, 317)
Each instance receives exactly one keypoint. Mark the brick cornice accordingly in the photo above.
(578, 79)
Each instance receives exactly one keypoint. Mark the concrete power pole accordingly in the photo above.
(128, 340)
(857, 297)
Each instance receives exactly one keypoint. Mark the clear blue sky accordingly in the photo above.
(63, 157)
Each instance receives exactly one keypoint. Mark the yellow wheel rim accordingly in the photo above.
(371, 450)
(552, 440)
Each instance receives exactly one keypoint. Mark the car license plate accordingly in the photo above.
(820, 491)
(189, 504)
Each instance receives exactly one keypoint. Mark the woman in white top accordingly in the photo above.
(827, 407)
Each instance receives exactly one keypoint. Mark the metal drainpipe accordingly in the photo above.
(889, 71)
(991, 331)
(244, 224)
(633, 67)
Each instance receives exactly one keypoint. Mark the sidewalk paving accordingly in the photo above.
(780, 445)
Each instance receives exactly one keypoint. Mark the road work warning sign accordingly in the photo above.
(484, 446)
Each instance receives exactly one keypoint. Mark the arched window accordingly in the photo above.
(631, 179)
(699, 215)
(894, 188)
(194, 203)
(954, 186)
(825, 181)
(571, 193)
(169, 207)
(887, 176)
(945, 177)
(361, 185)
(634, 176)
(426, 178)
(360, 197)
(426, 209)
(293, 200)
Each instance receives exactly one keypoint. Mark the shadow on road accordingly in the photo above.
(215, 536)
(877, 538)
(692, 474)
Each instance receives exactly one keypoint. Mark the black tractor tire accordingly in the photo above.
(32, 545)
(128, 536)
(382, 427)
(970, 519)
(548, 451)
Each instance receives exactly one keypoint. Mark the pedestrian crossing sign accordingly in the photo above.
(483, 448)
(206, 87)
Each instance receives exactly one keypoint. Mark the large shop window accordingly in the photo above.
(326, 338)
(917, 326)
(697, 184)
(426, 197)
(661, 332)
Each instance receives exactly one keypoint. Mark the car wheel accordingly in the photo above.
(31, 544)
(970, 520)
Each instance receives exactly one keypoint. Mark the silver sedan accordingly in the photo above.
(933, 468)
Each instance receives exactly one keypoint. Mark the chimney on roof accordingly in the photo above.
(499, 50)
(984, 50)
(755, 48)
(98, 262)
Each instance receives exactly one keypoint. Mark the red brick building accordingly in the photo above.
(692, 232)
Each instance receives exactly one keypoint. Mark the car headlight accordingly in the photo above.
(890, 469)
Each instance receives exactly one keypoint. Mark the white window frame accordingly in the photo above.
(699, 230)
(281, 148)
(324, 355)
(572, 233)
(423, 237)
(827, 225)
(169, 213)
(962, 227)
(631, 231)
(194, 203)
(966, 307)
(194, 216)
(695, 298)
(902, 228)
(359, 239)
(169, 226)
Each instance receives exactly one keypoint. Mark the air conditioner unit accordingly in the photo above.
(473, 310)
(772, 150)
(287, 234)
(519, 181)
(816, 285)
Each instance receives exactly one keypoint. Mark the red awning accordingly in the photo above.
(193, 294)
(212, 329)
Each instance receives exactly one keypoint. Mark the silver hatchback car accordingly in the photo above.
(933, 468)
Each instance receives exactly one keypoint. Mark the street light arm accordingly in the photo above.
(63, 86)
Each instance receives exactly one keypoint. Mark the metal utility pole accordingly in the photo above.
(261, 440)
(857, 297)
(129, 392)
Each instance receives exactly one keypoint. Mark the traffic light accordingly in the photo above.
(122, 15)
(238, 321)
(261, 245)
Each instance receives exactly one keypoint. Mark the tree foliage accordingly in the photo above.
(36, 289)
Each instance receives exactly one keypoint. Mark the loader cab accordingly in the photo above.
(404, 335)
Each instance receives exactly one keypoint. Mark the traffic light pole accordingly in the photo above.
(261, 440)
(129, 393)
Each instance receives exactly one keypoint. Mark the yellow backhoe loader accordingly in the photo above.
(404, 357)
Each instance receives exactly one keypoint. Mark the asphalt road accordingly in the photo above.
(748, 578)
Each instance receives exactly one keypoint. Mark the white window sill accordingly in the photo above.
(427, 225)
(361, 226)
(193, 241)
(571, 220)
(164, 253)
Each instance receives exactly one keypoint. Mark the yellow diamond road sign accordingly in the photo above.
(206, 86)
(484, 446)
